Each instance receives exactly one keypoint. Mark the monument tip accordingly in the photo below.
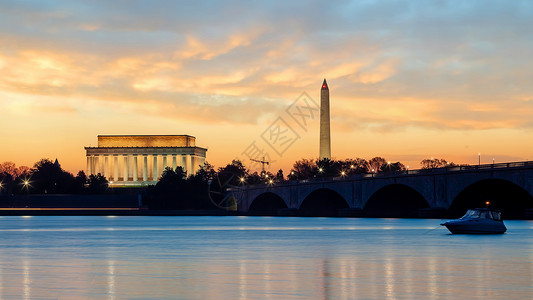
(324, 85)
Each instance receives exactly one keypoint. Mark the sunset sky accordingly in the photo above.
(408, 79)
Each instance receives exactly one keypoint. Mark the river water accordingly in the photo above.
(94, 257)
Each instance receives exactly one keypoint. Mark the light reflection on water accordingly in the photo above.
(261, 258)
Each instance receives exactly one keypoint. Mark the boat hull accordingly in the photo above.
(475, 227)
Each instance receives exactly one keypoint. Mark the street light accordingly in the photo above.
(26, 185)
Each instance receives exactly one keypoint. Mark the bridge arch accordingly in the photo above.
(322, 202)
(395, 200)
(267, 203)
(502, 194)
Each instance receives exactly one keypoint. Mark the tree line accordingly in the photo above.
(176, 189)
(47, 177)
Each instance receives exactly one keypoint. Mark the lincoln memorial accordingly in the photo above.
(131, 160)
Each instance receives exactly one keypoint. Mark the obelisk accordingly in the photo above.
(325, 140)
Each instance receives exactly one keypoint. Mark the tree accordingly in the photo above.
(254, 178)
(10, 168)
(97, 184)
(303, 169)
(433, 163)
(376, 164)
(279, 176)
(206, 172)
(393, 167)
(328, 168)
(355, 166)
(79, 182)
(48, 177)
(232, 173)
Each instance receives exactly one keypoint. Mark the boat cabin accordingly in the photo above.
(483, 213)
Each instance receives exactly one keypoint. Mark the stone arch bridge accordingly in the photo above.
(443, 192)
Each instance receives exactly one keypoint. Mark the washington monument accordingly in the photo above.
(325, 140)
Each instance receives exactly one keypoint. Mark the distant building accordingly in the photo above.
(131, 160)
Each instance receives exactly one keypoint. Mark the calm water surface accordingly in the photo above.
(258, 257)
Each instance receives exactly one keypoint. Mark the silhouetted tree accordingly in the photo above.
(6, 183)
(279, 176)
(232, 173)
(254, 178)
(392, 167)
(328, 168)
(48, 177)
(355, 166)
(97, 184)
(304, 169)
(206, 172)
(377, 163)
(9, 168)
(433, 163)
(79, 182)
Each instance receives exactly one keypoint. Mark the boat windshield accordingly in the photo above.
(496, 215)
(480, 214)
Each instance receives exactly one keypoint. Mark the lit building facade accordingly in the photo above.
(132, 160)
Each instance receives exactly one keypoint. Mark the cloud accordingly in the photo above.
(391, 65)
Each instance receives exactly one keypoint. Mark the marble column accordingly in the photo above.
(92, 164)
(184, 163)
(145, 167)
(101, 165)
(115, 167)
(193, 164)
(135, 169)
(164, 162)
(89, 170)
(174, 164)
(126, 171)
(155, 175)
(106, 166)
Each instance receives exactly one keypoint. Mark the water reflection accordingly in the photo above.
(345, 259)
(111, 279)
(26, 279)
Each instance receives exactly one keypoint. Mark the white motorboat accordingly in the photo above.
(477, 221)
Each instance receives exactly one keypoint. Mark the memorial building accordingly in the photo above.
(136, 160)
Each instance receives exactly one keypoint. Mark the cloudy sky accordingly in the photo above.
(408, 79)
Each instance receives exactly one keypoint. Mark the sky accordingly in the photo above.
(408, 80)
